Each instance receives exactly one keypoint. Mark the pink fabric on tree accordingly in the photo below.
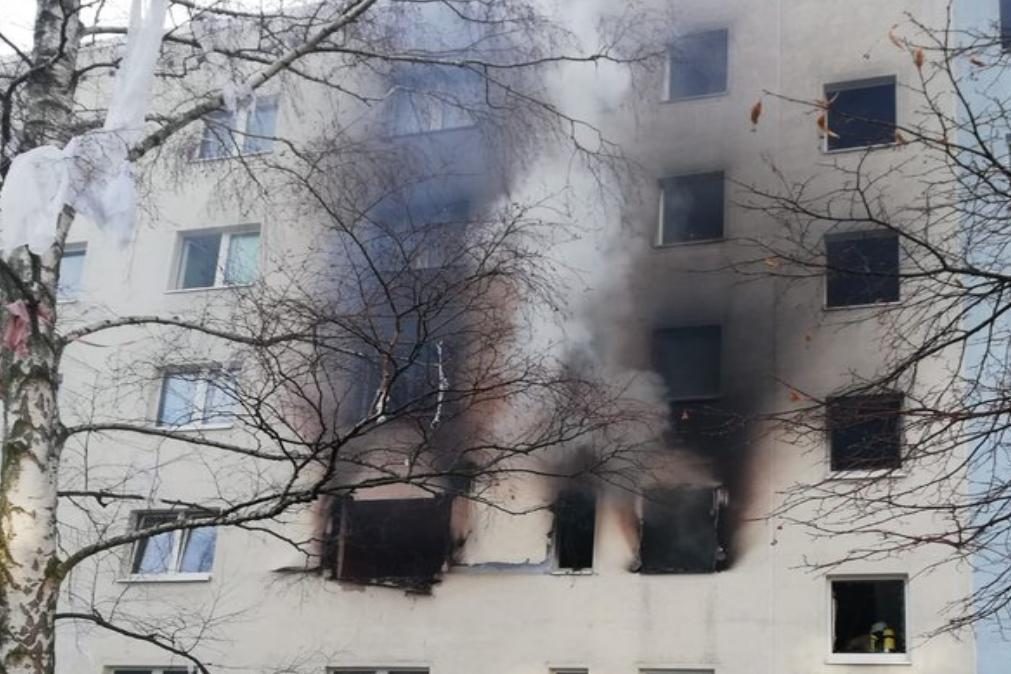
(19, 327)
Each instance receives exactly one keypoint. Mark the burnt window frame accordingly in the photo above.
(718, 175)
(670, 64)
(833, 402)
(867, 658)
(832, 274)
(831, 89)
(720, 550)
(564, 495)
(702, 397)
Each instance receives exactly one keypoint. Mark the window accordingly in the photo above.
(71, 273)
(175, 552)
(391, 541)
(680, 530)
(427, 231)
(218, 258)
(861, 113)
(862, 268)
(688, 359)
(378, 671)
(428, 99)
(197, 398)
(869, 615)
(1005, 24)
(698, 65)
(691, 208)
(247, 131)
(575, 523)
(150, 670)
(418, 369)
(865, 432)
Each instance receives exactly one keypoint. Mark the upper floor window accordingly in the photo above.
(247, 131)
(869, 617)
(692, 208)
(1005, 24)
(186, 550)
(575, 525)
(688, 359)
(217, 258)
(861, 268)
(71, 273)
(412, 373)
(861, 113)
(865, 432)
(697, 65)
(680, 530)
(197, 397)
(429, 98)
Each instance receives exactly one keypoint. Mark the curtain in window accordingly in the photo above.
(242, 265)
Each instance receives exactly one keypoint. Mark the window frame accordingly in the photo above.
(75, 250)
(221, 262)
(180, 538)
(175, 669)
(668, 70)
(234, 136)
(863, 473)
(724, 211)
(835, 658)
(556, 552)
(373, 669)
(853, 236)
(203, 382)
(720, 365)
(830, 88)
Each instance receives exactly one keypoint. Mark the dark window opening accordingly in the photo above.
(681, 532)
(698, 65)
(869, 616)
(401, 541)
(692, 208)
(413, 372)
(1005, 24)
(865, 432)
(688, 359)
(861, 113)
(575, 524)
(862, 269)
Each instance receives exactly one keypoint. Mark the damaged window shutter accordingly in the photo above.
(681, 532)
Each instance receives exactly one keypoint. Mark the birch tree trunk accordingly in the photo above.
(30, 571)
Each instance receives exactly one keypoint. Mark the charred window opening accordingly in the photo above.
(862, 268)
(869, 616)
(688, 359)
(698, 65)
(415, 372)
(681, 531)
(861, 113)
(692, 208)
(575, 528)
(865, 432)
(391, 541)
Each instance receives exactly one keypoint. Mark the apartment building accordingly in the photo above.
(684, 574)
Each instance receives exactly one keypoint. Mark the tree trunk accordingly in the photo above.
(30, 571)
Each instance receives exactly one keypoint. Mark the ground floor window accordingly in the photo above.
(869, 615)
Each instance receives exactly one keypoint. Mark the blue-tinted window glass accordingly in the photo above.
(200, 260)
(692, 208)
(198, 550)
(698, 64)
(861, 114)
(261, 127)
(1005, 24)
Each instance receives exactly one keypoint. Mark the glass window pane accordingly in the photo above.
(178, 400)
(692, 208)
(243, 263)
(198, 550)
(220, 404)
(698, 65)
(861, 115)
(154, 554)
(869, 616)
(71, 270)
(862, 270)
(688, 359)
(216, 140)
(260, 128)
(199, 260)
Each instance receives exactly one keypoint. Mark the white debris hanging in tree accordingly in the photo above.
(92, 173)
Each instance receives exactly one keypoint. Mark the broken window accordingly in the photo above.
(861, 113)
(401, 541)
(865, 432)
(862, 268)
(869, 616)
(692, 208)
(688, 359)
(698, 65)
(681, 530)
(575, 524)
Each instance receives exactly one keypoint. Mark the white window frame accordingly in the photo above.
(200, 396)
(659, 242)
(859, 83)
(868, 658)
(153, 670)
(221, 264)
(371, 669)
(73, 249)
(677, 670)
(236, 140)
(179, 537)
(569, 670)
(855, 235)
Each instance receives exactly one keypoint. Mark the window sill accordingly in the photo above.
(573, 572)
(869, 659)
(859, 148)
(165, 578)
(856, 475)
(183, 291)
(67, 300)
(226, 157)
(192, 428)
(682, 244)
(699, 97)
(874, 305)
(430, 132)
